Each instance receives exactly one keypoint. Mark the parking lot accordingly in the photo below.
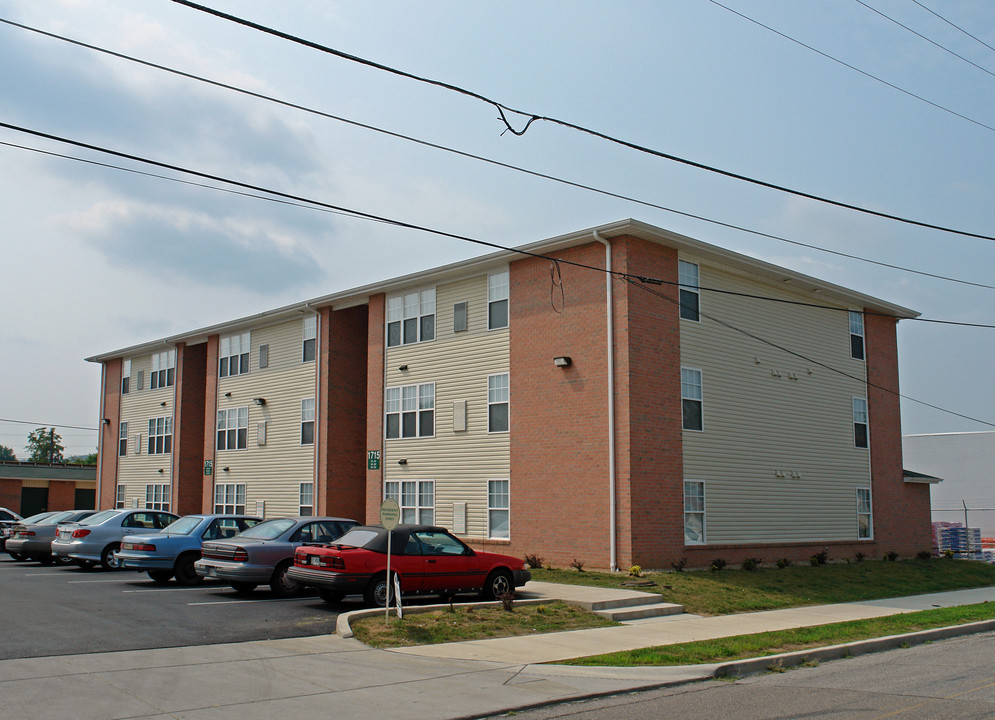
(62, 610)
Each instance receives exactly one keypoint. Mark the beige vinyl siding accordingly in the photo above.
(271, 472)
(776, 450)
(138, 469)
(460, 462)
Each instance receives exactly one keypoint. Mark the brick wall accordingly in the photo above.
(108, 443)
(375, 358)
(10, 494)
(188, 429)
(210, 419)
(61, 495)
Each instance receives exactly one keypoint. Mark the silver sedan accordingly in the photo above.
(33, 540)
(96, 539)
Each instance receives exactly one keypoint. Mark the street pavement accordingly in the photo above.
(331, 675)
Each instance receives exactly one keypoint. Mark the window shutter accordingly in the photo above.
(459, 415)
(138, 443)
(264, 356)
(141, 379)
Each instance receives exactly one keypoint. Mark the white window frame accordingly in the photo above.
(498, 294)
(163, 370)
(412, 317)
(857, 335)
(309, 346)
(499, 394)
(860, 418)
(229, 498)
(307, 419)
(694, 506)
(122, 439)
(306, 499)
(416, 499)
(688, 275)
(498, 509)
(692, 390)
(160, 435)
(157, 496)
(864, 510)
(120, 496)
(233, 354)
(126, 377)
(233, 429)
(402, 401)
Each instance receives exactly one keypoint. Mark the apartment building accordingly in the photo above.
(620, 395)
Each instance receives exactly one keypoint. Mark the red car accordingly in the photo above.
(427, 560)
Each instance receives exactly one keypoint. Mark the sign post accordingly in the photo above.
(390, 514)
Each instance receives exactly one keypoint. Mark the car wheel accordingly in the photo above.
(160, 577)
(283, 586)
(243, 587)
(108, 559)
(17, 556)
(85, 564)
(498, 583)
(330, 596)
(186, 574)
(375, 594)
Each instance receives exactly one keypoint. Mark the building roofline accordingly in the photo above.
(733, 261)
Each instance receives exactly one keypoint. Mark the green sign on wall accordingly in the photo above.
(208, 467)
(373, 460)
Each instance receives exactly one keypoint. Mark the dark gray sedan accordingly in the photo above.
(33, 540)
(263, 554)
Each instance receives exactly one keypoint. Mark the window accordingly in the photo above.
(233, 428)
(411, 318)
(310, 338)
(694, 512)
(163, 367)
(497, 301)
(157, 497)
(306, 499)
(122, 439)
(498, 505)
(126, 377)
(264, 356)
(234, 355)
(160, 435)
(459, 317)
(863, 513)
(307, 421)
(859, 422)
(411, 411)
(687, 276)
(691, 399)
(497, 403)
(856, 335)
(229, 498)
(119, 496)
(141, 379)
(416, 498)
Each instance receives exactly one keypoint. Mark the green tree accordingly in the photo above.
(7, 453)
(45, 446)
(90, 459)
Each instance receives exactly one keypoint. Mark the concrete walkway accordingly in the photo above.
(333, 676)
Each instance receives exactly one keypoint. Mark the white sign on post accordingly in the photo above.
(390, 514)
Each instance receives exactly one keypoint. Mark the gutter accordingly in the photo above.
(610, 348)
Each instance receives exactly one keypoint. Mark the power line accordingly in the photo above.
(956, 27)
(465, 154)
(311, 204)
(920, 35)
(851, 67)
(504, 110)
(41, 425)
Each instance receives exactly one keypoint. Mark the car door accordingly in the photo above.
(449, 564)
(138, 522)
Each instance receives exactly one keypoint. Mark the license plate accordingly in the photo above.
(313, 560)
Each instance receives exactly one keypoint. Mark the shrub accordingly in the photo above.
(635, 571)
(783, 563)
(679, 565)
(718, 564)
(859, 557)
(925, 555)
(948, 554)
(891, 556)
(820, 558)
(533, 561)
(507, 601)
(577, 565)
(751, 564)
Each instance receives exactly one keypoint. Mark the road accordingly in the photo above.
(953, 679)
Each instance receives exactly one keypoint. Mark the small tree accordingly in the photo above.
(7, 453)
(45, 446)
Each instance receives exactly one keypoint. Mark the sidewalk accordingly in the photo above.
(330, 675)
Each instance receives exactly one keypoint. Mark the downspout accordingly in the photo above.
(609, 314)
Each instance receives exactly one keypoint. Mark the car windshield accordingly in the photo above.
(357, 538)
(99, 517)
(183, 526)
(56, 518)
(269, 529)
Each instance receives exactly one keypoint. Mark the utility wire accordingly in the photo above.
(956, 27)
(480, 158)
(920, 35)
(56, 425)
(505, 110)
(311, 204)
(851, 67)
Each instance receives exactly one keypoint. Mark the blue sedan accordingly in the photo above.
(173, 551)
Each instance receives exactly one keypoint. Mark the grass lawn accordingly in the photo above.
(703, 592)
(783, 641)
(472, 623)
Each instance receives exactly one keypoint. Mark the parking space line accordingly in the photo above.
(250, 600)
(175, 589)
(108, 580)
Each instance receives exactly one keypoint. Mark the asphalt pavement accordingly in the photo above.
(330, 675)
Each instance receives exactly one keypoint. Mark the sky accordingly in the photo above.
(883, 104)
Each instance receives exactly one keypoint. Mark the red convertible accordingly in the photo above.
(427, 560)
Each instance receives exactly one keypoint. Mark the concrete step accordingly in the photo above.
(625, 599)
(639, 611)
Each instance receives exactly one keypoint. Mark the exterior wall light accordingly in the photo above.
(259, 401)
(403, 368)
(562, 361)
(402, 461)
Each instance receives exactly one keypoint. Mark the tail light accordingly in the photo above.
(141, 547)
(333, 561)
(26, 533)
(241, 555)
(80, 532)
